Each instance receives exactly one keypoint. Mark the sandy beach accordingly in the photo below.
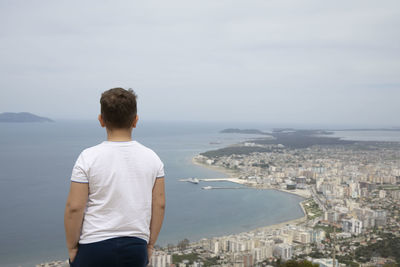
(225, 171)
(282, 224)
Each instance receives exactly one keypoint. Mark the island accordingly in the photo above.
(244, 131)
(22, 117)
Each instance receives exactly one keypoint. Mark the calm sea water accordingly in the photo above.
(392, 136)
(36, 162)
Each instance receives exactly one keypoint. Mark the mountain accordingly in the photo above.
(22, 117)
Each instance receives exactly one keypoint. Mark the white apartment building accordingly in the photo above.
(283, 251)
(380, 217)
(352, 225)
(216, 247)
(160, 259)
(303, 237)
(264, 251)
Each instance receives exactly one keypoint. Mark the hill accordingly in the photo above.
(22, 117)
(244, 131)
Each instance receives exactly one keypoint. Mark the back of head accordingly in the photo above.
(118, 108)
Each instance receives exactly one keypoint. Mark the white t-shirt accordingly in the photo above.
(121, 176)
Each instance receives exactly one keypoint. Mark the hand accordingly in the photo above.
(149, 252)
(72, 253)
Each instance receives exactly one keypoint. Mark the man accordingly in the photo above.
(116, 202)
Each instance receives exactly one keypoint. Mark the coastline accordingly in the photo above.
(231, 178)
(282, 224)
(225, 171)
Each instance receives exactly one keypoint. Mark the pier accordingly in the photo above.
(220, 187)
(232, 180)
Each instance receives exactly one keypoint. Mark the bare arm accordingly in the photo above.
(73, 216)
(157, 211)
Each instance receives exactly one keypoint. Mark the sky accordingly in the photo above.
(279, 62)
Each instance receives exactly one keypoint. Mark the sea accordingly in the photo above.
(36, 161)
(368, 135)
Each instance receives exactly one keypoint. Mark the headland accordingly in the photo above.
(22, 117)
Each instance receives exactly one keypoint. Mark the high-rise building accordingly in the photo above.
(283, 251)
(352, 225)
(160, 259)
(380, 217)
(248, 260)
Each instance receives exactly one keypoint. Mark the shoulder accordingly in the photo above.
(152, 159)
(93, 149)
(147, 151)
(149, 155)
(91, 152)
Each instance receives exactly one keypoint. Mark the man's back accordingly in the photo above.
(121, 177)
(116, 202)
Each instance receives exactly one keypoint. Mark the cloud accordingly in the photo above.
(203, 60)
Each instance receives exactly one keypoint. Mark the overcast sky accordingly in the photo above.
(300, 61)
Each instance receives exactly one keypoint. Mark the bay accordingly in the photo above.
(36, 160)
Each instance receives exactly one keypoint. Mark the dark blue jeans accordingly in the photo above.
(119, 251)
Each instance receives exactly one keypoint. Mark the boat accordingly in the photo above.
(193, 180)
(207, 187)
(190, 180)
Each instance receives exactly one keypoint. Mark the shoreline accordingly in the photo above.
(275, 226)
(231, 173)
(225, 171)
(231, 178)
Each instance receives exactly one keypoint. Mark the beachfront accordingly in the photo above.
(232, 177)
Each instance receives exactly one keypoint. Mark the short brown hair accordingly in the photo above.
(118, 107)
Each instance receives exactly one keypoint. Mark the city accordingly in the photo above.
(352, 206)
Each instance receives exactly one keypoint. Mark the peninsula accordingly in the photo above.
(22, 117)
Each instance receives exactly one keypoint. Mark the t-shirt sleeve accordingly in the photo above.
(79, 172)
(160, 171)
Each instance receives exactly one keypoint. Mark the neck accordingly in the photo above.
(119, 135)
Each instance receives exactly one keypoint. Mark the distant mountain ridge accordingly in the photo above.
(244, 131)
(22, 117)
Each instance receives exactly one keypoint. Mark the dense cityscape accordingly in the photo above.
(352, 204)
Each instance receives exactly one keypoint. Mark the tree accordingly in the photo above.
(303, 263)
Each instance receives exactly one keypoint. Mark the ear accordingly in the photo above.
(100, 118)
(135, 121)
